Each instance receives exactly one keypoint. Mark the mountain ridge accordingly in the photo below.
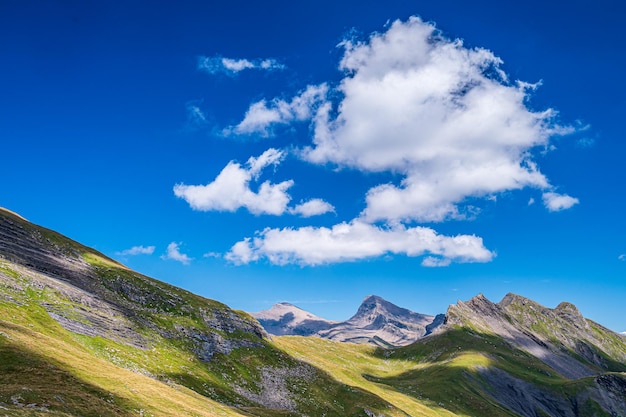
(376, 321)
(82, 335)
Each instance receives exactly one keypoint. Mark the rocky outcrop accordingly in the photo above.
(528, 326)
(96, 296)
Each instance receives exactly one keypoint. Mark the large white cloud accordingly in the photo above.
(442, 115)
(356, 241)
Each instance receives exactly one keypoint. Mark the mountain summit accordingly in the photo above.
(82, 335)
(287, 319)
(377, 321)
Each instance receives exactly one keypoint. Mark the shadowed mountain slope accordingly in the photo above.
(82, 335)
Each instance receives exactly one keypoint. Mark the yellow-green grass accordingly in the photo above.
(45, 370)
(438, 376)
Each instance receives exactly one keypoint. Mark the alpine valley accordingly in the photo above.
(83, 335)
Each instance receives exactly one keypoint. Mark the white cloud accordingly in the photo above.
(137, 250)
(217, 64)
(622, 257)
(231, 189)
(353, 241)
(313, 207)
(531, 201)
(173, 253)
(262, 115)
(442, 115)
(558, 202)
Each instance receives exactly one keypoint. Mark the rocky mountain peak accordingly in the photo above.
(377, 321)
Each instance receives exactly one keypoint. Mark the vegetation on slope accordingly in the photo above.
(98, 326)
(81, 334)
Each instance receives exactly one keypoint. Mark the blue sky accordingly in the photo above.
(318, 152)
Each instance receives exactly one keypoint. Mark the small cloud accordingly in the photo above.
(173, 253)
(261, 116)
(531, 201)
(137, 250)
(212, 255)
(622, 257)
(217, 64)
(558, 202)
(195, 115)
(313, 207)
(586, 142)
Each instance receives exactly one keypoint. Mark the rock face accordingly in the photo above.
(377, 321)
(97, 296)
(573, 347)
(556, 336)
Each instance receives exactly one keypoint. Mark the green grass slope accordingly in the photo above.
(81, 334)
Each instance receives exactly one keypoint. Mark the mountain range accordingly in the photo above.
(377, 322)
(83, 335)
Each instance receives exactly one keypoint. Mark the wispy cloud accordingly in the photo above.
(173, 253)
(622, 257)
(137, 250)
(261, 116)
(218, 64)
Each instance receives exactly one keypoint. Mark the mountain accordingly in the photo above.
(377, 322)
(512, 358)
(82, 335)
(287, 319)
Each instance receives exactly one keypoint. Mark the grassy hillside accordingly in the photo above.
(458, 372)
(82, 335)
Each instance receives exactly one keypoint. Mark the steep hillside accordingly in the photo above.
(377, 322)
(81, 334)
(484, 362)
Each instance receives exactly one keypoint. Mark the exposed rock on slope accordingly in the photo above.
(376, 322)
(574, 348)
(80, 301)
(553, 335)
